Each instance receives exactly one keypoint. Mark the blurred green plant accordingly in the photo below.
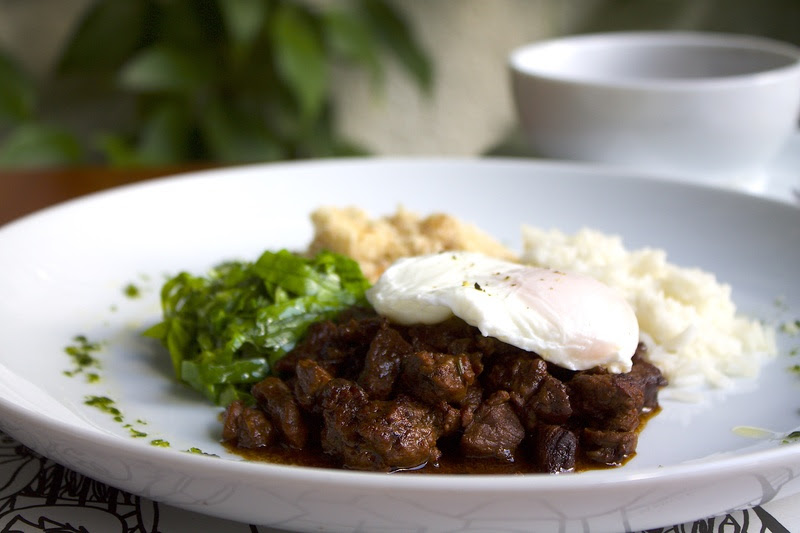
(29, 138)
(206, 81)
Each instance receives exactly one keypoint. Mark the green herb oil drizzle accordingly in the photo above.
(82, 354)
(105, 404)
(132, 291)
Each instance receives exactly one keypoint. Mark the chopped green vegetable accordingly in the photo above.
(198, 451)
(132, 291)
(136, 434)
(225, 331)
(105, 404)
(82, 356)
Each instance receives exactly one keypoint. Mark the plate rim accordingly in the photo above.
(660, 179)
(732, 465)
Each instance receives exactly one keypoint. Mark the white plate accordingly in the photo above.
(62, 273)
(781, 179)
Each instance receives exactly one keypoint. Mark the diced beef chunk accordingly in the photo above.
(341, 401)
(395, 434)
(470, 404)
(461, 346)
(230, 420)
(648, 376)
(277, 401)
(449, 418)
(493, 347)
(610, 401)
(476, 360)
(550, 403)
(555, 448)
(433, 377)
(382, 362)
(608, 447)
(310, 378)
(495, 430)
(247, 427)
(519, 373)
(339, 348)
(439, 337)
(377, 434)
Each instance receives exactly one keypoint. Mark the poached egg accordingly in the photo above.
(570, 320)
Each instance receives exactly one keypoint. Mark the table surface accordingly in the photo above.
(37, 494)
(26, 191)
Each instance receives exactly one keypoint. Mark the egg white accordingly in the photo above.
(570, 320)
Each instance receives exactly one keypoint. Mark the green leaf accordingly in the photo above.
(322, 140)
(118, 149)
(107, 35)
(17, 92)
(34, 145)
(233, 135)
(200, 376)
(228, 328)
(194, 26)
(397, 34)
(299, 57)
(167, 69)
(164, 136)
(243, 21)
(345, 148)
(349, 36)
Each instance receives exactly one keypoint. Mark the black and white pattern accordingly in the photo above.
(39, 495)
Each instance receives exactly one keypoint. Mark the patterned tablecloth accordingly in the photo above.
(37, 494)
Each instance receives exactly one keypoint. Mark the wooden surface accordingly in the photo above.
(26, 191)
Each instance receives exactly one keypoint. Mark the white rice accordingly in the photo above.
(686, 317)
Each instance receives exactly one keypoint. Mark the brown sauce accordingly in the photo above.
(451, 462)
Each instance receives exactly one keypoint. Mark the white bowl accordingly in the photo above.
(708, 106)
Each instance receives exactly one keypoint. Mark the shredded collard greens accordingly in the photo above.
(224, 331)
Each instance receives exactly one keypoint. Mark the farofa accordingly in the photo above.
(377, 243)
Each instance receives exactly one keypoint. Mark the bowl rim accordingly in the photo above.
(522, 67)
